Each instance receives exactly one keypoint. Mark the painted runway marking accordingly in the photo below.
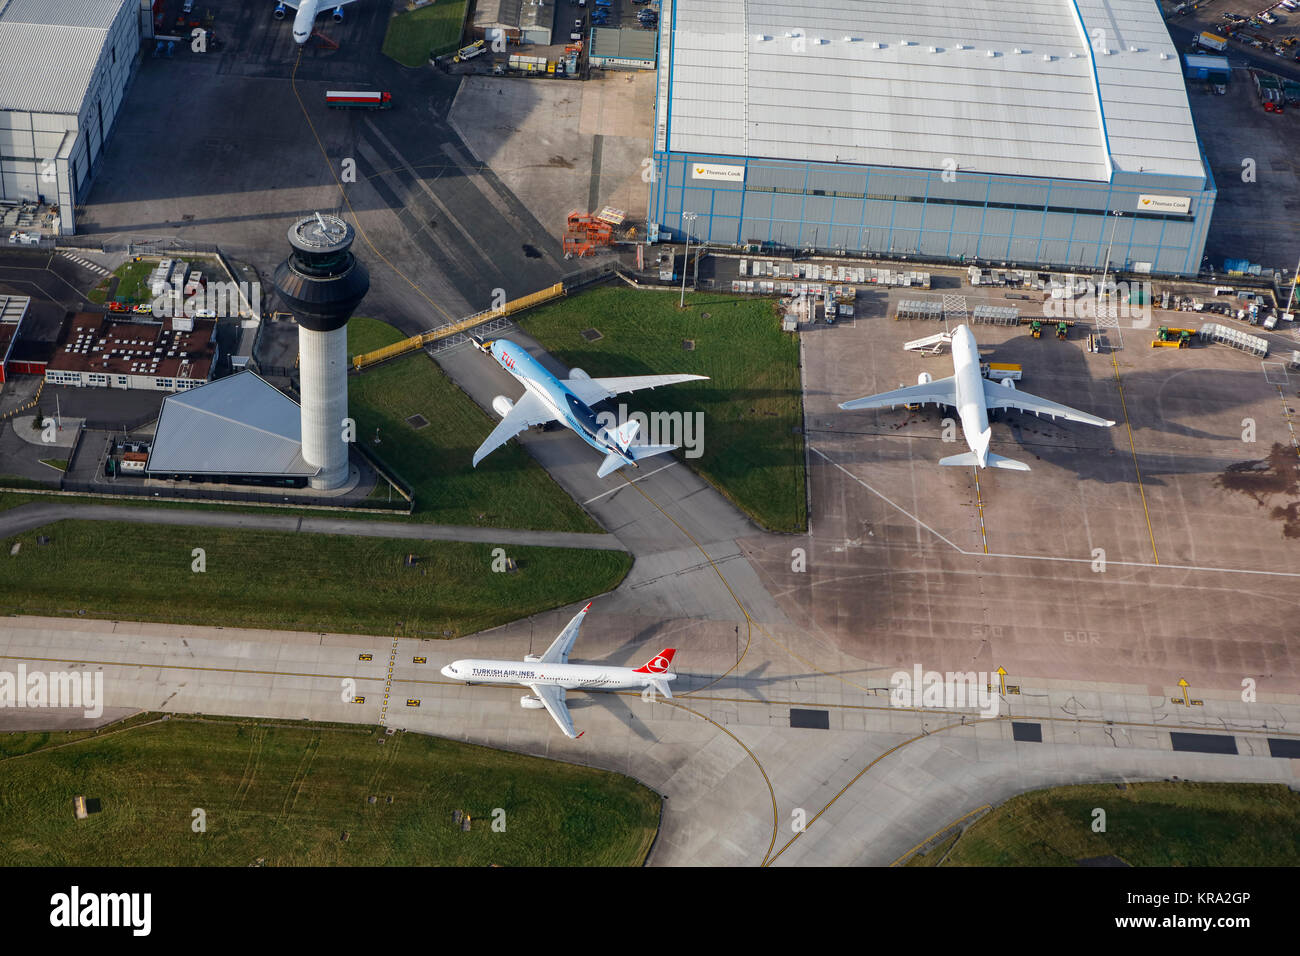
(1048, 557)
(630, 482)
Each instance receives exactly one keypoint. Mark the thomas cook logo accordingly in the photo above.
(1146, 202)
(699, 170)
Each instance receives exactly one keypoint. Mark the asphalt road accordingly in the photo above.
(28, 516)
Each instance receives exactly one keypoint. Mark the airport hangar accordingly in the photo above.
(64, 69)
(998, 130)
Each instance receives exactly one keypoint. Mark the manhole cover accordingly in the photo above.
(688, 345)
(591, 335)
(417, 421)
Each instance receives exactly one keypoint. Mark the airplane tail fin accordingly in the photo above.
(626, 433)
(662, 689)
(658, 664)
(965, 458)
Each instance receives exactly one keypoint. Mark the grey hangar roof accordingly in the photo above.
(1069, 89)
(48, 51)
(238, 425)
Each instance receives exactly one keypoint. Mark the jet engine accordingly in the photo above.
(502, 405)
(578, 373)
(279, 11)
(338, 14)
(529, 702)
(1009, 383)
(925, 378)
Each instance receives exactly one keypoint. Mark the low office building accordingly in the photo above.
(170, 355)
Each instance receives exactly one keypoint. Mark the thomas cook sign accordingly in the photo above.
(726, 174)
(1173, 204)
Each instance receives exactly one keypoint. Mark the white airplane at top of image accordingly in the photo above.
(549, 399)
(551, 674)
(306, 11)
(973, 396)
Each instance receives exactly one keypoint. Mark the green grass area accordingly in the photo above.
(1147, 824)
(366, 335)
(507, 490)
(133, 286)
(17, 743)
(60, 463)
(291, 581)
(99, 294)
(285, 795)
(933, 856)
(751, 405)
(416, 35)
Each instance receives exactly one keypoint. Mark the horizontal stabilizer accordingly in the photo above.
(968, 460)
(637, 452)
(997, 461)
(612, 463)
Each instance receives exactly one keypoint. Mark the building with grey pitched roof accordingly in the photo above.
(236, 429)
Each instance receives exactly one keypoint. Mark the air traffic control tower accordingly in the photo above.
(321, 283)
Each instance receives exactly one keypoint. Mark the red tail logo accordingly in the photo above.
(658, 664)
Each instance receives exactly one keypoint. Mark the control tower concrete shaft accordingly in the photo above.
(321, 283)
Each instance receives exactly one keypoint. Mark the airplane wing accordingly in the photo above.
(325, 4)
(553, 698)
(593, 390)
(942, 391)
(528, 411)
(558, 652)
(999, 396)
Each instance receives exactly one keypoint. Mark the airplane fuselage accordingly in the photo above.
(304, 21)
(972, 407)
(568, 676)
(567, 407)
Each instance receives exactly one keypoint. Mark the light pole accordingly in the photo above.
(1295, 277)
(1105, 269)
(687, 219)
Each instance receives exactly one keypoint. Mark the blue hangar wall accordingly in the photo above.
(895, 212)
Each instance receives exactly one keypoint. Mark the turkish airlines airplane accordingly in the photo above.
(549, 399)
(973, 395)
(304, 20)
(551, 675)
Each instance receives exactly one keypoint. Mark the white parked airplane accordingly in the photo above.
(549, 399)
(304, 20)
(551, 674)
(973, 396)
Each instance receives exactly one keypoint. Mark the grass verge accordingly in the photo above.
(752, 443)
(416, 35)
(285, 796)
(508, 490)
(253, 578)
(1147, 824)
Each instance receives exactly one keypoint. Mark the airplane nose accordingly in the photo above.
(446, 671)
